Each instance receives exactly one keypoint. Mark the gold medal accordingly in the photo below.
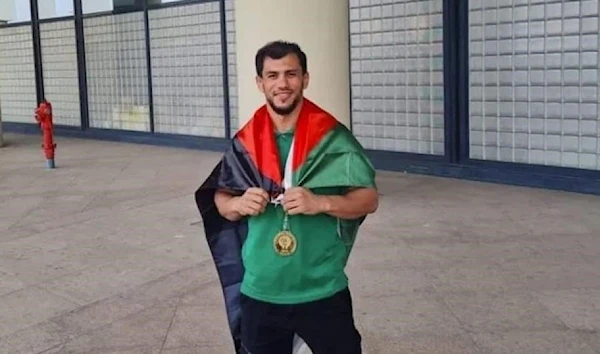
(284, 243)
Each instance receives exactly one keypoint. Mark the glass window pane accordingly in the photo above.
(397, 76)
(156, 2)
(17, 74)
(12, 11)
(187, 70)
(55, 8)
(534, 82)
(124, 3)
(95, 6)
(115, 54)
(59, 57)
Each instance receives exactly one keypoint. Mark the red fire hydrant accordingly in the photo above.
(43, 115)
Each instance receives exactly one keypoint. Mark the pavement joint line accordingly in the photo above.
(164, 341)
(154, 303)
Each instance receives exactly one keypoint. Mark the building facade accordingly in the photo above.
(493, 90)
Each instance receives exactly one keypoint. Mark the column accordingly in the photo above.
(319, 27)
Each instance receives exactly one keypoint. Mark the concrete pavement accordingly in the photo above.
(105, 254)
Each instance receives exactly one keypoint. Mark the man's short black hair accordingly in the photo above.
(277, 50)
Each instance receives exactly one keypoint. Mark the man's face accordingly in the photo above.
(282, 82)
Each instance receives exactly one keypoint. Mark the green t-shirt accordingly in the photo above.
(314, 271)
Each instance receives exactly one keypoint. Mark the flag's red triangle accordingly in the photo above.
(258, 138)
(313, 124)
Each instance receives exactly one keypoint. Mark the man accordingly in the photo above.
(281, 211)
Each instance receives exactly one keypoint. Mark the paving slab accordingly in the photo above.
(106, 254)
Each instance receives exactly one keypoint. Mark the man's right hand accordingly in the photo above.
(252, 202)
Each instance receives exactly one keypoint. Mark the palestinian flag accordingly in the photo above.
(325, 154)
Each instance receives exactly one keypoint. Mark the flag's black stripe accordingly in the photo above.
(236, 172)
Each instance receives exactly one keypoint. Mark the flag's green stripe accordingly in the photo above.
(338, 161)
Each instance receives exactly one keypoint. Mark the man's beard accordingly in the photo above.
(284, 111)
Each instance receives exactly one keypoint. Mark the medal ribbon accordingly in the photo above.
(287, 182)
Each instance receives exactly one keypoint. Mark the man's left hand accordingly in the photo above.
(298, 200)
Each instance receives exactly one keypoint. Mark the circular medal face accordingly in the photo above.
(284, 243)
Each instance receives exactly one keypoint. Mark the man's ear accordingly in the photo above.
(305, 80)
(259, 84)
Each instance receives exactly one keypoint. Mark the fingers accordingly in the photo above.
(295, 210)
(251, 207)
(252, 210)
(299, 201)
(260, 195)
(296, 200)
(258, 192)
(293, 200)
(293, 207)
(258, 199)
(292, 194)
(253, 202)
(298, 208)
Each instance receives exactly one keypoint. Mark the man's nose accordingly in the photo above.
(282, 82)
